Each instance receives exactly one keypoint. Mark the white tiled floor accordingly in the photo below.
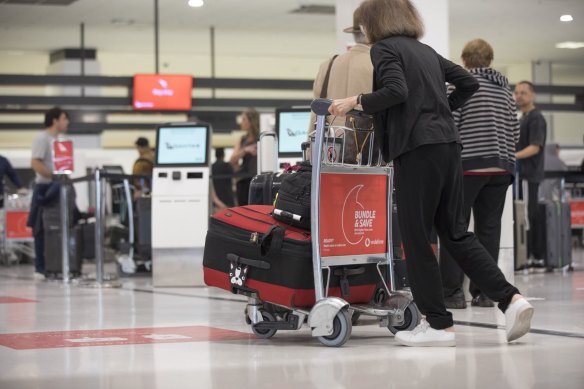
(482, 358)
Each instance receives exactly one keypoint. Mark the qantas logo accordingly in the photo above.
(170, 146)
(296, 133)
(165, 91)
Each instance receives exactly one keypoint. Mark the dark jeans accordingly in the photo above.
(39, 252)
(428, 183)
(485, 195)
(35, 222)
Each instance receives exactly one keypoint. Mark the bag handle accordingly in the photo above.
(272, 240)
(324, 90)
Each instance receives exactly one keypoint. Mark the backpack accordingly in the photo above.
(292, 203)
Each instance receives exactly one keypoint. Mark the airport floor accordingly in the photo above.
(67, 336)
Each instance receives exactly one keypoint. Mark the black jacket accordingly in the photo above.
(409, 95)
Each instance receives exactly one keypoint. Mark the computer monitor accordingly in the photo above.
(292, 129)
(183, 145)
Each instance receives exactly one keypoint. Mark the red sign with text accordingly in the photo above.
(577, 209)
(16, 225)
(353, 214)
(163, 92)
(62, 156)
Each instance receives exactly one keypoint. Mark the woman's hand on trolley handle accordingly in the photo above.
(340, 107)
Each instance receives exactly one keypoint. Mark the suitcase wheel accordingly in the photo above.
(265, 333)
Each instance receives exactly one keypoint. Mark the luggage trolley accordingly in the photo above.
(351, 208)
(16, 236)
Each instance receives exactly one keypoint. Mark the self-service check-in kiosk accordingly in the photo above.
(292, 127)
(180, 203)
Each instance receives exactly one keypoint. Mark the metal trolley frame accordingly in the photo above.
(331, 318)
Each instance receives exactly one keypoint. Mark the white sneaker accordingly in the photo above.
(518, 319)
(38, 276)
(425, 336)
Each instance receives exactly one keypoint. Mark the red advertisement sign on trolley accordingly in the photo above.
(62, 156)
(353, 209)
(577, 212)
(16, 225)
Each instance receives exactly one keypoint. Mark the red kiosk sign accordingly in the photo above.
(62, 157)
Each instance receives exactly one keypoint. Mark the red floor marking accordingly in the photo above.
(126, 336)
(14, 300)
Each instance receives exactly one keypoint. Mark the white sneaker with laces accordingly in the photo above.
(518, 319)
(425, 336)
(38, 276)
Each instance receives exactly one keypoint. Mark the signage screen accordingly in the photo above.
(162, 92)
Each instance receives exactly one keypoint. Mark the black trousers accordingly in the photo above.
(485, 196)
(428, 184)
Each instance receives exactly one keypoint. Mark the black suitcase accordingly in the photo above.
(248, 251)
(263, 188)
(53, 244)
(555, 233)
(520, 235)
(143, 223)
(88, 239)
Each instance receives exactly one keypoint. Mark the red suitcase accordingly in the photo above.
(248, 251)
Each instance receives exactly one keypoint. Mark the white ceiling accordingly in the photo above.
(519, 30)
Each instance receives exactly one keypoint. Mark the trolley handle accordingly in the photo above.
(321, 108)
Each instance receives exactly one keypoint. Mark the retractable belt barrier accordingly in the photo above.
(99, 176)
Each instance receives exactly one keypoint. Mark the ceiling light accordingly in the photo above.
(566, 18)
(196, 3)
(570, 45)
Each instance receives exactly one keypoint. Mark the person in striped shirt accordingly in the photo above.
(489, 130)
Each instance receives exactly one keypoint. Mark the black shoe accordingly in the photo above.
(482, 301)
(455, 301)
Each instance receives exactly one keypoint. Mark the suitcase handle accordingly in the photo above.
(272, 241)
(236, 260)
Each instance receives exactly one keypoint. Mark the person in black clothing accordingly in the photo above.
(530, 156)
(489, 130)
(246, 151)
(6, 169)
(413, 115)
(223, 185)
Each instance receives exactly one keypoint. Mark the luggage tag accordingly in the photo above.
(237, 274)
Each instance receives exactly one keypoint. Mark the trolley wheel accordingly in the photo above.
(247, 319)
(355, 317)
(380, 296)
(412, 318)
(341, 330)
(265, 334)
